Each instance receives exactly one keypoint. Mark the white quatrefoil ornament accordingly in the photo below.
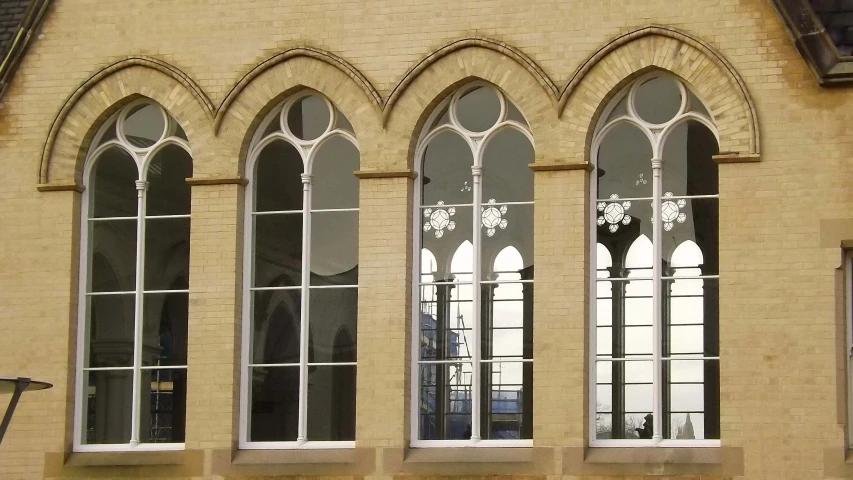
(492, 216)
(438, 219)
(613, 213)
(670, 211)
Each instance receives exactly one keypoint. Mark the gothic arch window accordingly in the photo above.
(655, 220)
(473, 371)
(132, 354)
(301, 277)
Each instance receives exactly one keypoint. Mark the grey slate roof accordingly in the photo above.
(19, 24)
(837, 18)
(11, 14)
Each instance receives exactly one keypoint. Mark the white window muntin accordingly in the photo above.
(657, 135)
(142, 156)
(477, 142)
(307, 150)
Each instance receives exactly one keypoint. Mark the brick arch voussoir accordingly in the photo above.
(422, 89)
(101, 95)
(261, 89)
(628, 56)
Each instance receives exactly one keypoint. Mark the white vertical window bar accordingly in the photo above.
(657, 328)
(141, 186)
(476, 411)
(302, 428)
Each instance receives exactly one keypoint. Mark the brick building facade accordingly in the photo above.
(767, 81)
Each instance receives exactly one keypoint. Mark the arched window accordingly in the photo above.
(134, 277)
(656, 312)
(474, 311)
(301, 278)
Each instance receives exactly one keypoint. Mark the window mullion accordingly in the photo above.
(302, 427)
(141, 187)
(477, 172)
(657, 343)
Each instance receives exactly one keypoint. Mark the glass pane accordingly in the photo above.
(343, 123)
(445, 402)
(697, 105)
(604, 372)
(620, 109)
(274, 400)
(164, 330)
(109, 131)
(507, 400)
(332, 321)
(657, 100)
(692, 399)
(479, 109)
(113, 257)
(688, 166)
(278, 250)
(334, 185)
(144, 125)
(621, 222)
(108, 407)
(507, 320)
(446, 173)
(514, 114)
(624, 397)
(167, 253)
(506, 175)
(507, 241)
(111, 330)
(447, 323)
(687, 426)
(163, 406)
(276, 323)
(331, 403)
(691, 240)
(278, 178)
(693, 315)
(447, 233)
(168, 191)
(685, 339)
(112, 185)
(334, 248)
(625, 164)
(309, 117)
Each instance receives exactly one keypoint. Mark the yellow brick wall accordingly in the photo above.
(385, 64)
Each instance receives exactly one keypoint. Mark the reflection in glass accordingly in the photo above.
(113, 185)
(688, 397)
(334, 248)
(274, 403)
(333, 184)
(108, 396)
(168, 191)
(163, 405)
(111, 330)
(278, 181)
(113, 257)
(506, 175)
(144, 125)
(445, 401)
(332, 319)
(308, 117)
(446, 174)
(504, 387)
(164, 329)
(624, 164)
(479, 109)
(276, 325)
(331, 403)
(167, 253)
(278, 250)
(688, 166)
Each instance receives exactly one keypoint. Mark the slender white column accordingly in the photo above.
(141, 187)
(477, 172)
(657, 328)
(302, 430)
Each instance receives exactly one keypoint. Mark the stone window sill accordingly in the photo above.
(467, 461)
(653, 461)
(116, 459)
(183, 463)
(343, 461)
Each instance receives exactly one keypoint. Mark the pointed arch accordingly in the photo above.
(101, 95)
(627, 56)
(459, 63)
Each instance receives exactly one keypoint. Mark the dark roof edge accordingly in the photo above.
(30, 23)
(814, 44)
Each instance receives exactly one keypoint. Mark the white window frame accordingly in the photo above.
(657, 135)
(142, 158)
(848, 317)
(477, 142)
(307, 150)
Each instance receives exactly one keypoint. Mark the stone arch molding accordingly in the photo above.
(101, 95)
(627, 56)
